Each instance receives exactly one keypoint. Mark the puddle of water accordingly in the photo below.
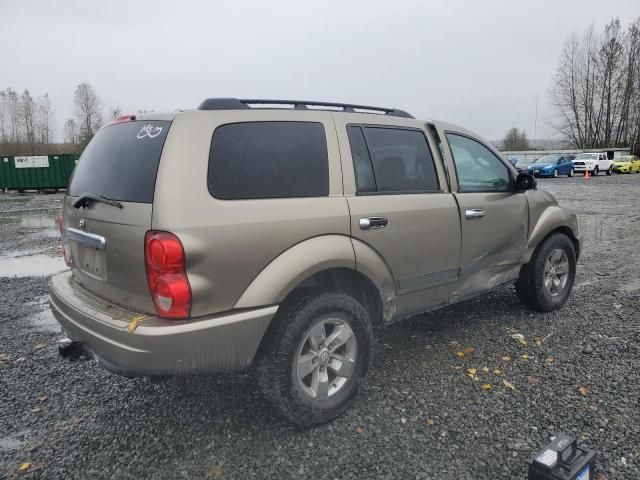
(45, 319)
(46, 219)
(13, 442)
(630, 287)
(37, 221)
(31, 266)
(14, 199)
(46, 233)
(8, 444)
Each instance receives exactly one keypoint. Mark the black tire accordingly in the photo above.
(530, 284)
(610, 171)
(555, 173)
(276, 362)
(570, 174)
(595, 171)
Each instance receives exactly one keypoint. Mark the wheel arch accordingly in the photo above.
(339, 279)
(293, 266)
(542, 236)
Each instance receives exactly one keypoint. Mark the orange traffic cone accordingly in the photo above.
(586, 174)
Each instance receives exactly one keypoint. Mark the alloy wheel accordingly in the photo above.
(556, 272)
(326, 358)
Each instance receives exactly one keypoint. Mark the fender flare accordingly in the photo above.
(553, 218)
(371, 264)
(293, 266)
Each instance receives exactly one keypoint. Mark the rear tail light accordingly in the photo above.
(63, 241)
(167, 275)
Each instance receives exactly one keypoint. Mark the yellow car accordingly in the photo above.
(627, 164)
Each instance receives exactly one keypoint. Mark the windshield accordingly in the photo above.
(624, 159)
(548, 159)
(121, 162)
(587, 156)
(525, 162)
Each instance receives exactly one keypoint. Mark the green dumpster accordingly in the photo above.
(36, 172)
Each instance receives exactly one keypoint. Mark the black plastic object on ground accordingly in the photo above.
(562, 459)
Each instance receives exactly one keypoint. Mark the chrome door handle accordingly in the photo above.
(475, 213)
(373, 223)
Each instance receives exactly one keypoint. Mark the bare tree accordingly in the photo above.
(13, 113)
(628, 126)
(88, 112)
(610, 74)
(515, 139)
(595, 90)
(27, 111)
(70, 132)
(44, 120)
(114, 112)
(3, 117)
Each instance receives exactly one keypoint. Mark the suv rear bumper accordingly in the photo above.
(219, 343)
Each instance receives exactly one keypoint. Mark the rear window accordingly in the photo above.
(269, 160)
(121, 162)
(391, 159)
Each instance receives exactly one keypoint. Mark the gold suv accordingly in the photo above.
(278, 234)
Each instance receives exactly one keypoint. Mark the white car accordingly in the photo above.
(594, 162)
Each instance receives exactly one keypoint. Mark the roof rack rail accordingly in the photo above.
(244, 103)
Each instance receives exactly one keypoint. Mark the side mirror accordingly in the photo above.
(524, 181)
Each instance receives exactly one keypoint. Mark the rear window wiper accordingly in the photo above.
(85, 200)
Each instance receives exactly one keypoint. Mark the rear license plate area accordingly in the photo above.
(91, 261)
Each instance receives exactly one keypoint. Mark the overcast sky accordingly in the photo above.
(476, 63)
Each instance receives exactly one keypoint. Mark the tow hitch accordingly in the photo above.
(68, 348)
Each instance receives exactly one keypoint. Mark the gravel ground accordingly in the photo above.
(419, 416)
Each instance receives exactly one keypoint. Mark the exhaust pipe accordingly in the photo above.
(68, 348)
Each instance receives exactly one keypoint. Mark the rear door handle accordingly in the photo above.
(373, 223)
(475, 213)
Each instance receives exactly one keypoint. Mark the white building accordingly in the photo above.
(535, 154)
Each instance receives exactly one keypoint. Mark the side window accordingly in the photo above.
(401, 159)
(365, 181)
(478, 169)
(268, 160)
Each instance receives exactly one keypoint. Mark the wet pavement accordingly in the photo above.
(419, 416)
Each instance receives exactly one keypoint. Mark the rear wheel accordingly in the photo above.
(571, 172)
(546, 281)
(316, 357)
(610, 170)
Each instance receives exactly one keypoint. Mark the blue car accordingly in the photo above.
(552, 166)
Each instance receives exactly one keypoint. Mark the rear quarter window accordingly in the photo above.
(121, 162)
(268, 160)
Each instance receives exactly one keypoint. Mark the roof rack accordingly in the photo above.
(244, 103)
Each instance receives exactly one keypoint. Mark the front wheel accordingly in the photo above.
(610, 170)
(570, 174)
(555, 173)
(546, 281)
(595, 171)
(316, 357)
